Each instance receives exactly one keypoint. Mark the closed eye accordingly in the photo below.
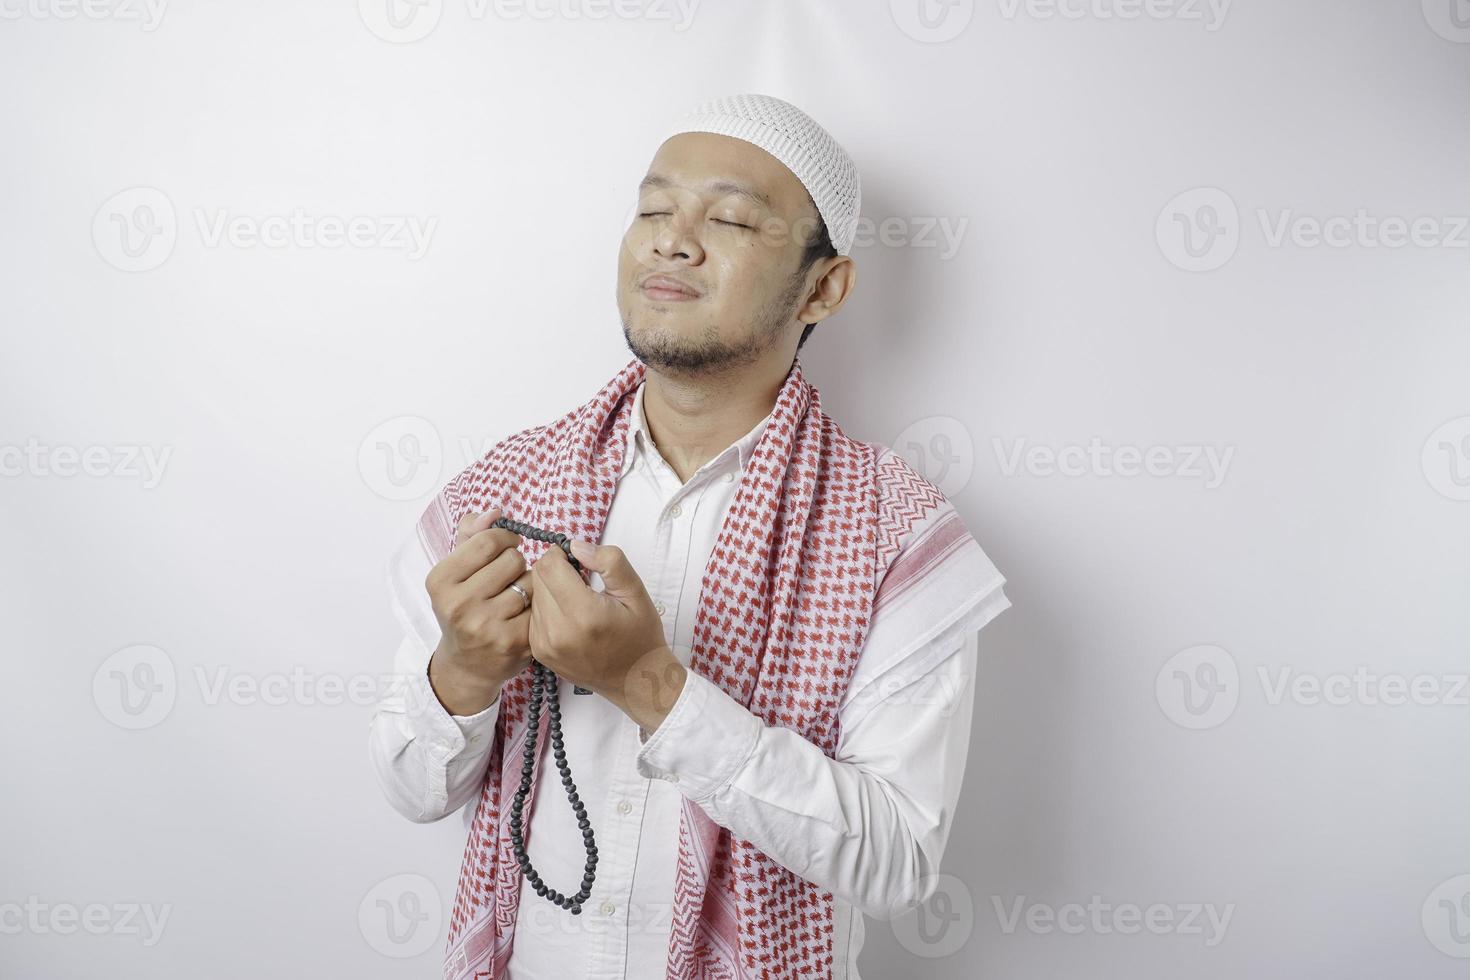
(734, 224)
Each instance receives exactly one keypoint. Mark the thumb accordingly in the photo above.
(608, 561)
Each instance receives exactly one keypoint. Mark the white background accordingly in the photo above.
(1071, 316)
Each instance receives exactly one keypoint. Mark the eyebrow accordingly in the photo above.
(722, 187)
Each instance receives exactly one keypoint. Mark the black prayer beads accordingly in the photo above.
(544, 686)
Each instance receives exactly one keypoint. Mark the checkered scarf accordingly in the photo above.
(782, 617)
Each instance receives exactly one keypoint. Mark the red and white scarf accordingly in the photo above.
(782, 617)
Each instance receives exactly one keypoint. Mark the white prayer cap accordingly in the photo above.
(794, 138)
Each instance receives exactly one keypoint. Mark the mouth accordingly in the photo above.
(666, 290)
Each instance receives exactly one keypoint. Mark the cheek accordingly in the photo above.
(748, 284)
(626, 259)
(635, 258)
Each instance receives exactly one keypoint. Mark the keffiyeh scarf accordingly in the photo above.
(782, 617)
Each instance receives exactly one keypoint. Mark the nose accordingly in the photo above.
(675, 239)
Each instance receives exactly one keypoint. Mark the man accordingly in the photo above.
(775, 626)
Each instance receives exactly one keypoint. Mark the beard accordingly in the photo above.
(706, 355)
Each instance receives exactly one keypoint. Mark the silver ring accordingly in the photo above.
(524, 596)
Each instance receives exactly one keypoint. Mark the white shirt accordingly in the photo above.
(869, 825)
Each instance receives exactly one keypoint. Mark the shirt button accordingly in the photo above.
(729, 477)
(675, 511)
(671, 777)
(608, 908)
(659, 607)
(625, 807)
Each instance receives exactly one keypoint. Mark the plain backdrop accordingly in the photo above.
(1169, 297)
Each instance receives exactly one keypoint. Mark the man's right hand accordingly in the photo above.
(485, 624)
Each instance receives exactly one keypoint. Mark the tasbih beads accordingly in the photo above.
(544, 686)
(545, 683)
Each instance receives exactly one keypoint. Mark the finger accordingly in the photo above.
(544, 611)
(560, 578)
(619, 578)
(498, 573)
(477, 551)
(470, 523)
(521, 623)
(545, 601)
(510, 607)
(508, 604)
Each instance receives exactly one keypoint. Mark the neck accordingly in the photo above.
(693, 420)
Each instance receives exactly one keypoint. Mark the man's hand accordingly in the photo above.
(611, 641)
(484, 623)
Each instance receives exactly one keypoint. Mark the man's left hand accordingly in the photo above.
(610, 641)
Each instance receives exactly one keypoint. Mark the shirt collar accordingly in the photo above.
(640, 439)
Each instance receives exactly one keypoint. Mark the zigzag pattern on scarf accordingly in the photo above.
(905, 498)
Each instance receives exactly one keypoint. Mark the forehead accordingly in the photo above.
(723, 165)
